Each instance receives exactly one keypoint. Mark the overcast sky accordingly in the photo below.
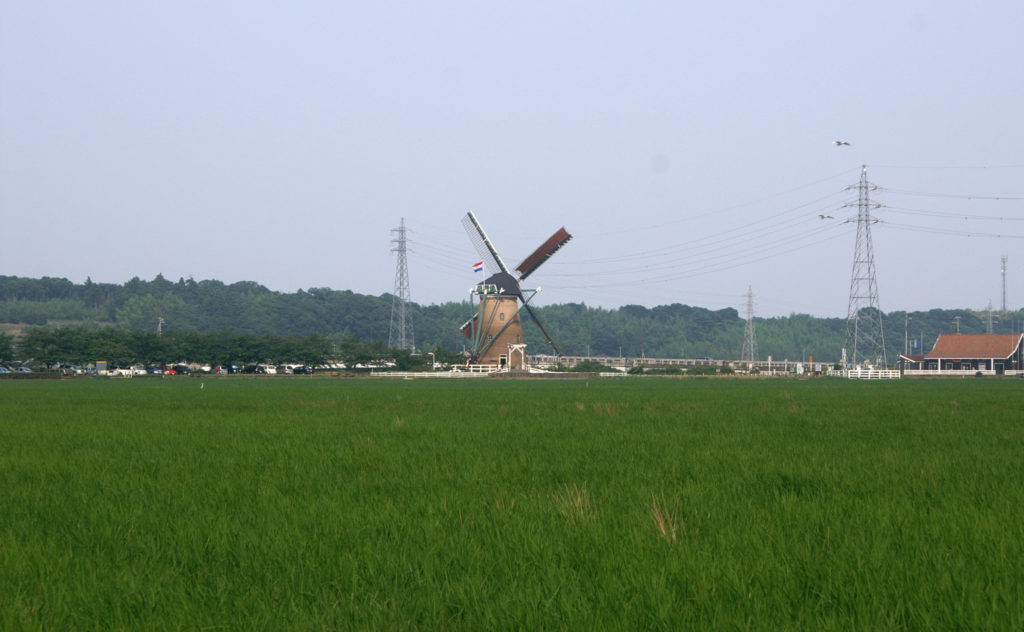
(688, 147)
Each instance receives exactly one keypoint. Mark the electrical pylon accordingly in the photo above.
(1003, 270)
(865, 340)
(749, 338)
(400, 334)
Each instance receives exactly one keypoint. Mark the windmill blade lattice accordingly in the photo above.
(484, 247)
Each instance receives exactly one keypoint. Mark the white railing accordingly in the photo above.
(480, 368)
(958, 372)
(872, 374)
(427, 374)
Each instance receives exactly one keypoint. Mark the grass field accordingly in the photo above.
(330, 504)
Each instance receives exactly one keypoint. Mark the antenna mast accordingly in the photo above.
(749, 338)
(865, 340)
(400, 334)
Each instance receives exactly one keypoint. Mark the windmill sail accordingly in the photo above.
(483, 245)
(542, 254)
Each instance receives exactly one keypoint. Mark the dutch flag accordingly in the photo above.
(478, 266)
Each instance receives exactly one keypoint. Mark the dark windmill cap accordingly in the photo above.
(506, 283)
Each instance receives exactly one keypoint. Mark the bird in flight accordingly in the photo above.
(840, 143)
(826, 217)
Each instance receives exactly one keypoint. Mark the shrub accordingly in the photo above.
(666, 370)
(591, 366)
(702, 370)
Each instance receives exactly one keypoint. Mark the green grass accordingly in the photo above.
(481, 504)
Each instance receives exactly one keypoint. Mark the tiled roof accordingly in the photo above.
(975, 346)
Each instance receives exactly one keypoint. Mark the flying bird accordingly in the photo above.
(840, 143)
(825, 216)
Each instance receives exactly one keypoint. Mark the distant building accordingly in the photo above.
(957, 354)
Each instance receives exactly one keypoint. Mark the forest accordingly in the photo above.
(322, 321)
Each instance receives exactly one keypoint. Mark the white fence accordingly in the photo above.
(957, 372)
(427, 374)
(872, 374)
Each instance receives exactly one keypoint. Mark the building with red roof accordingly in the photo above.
(988, 354)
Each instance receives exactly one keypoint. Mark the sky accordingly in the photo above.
(687, 147)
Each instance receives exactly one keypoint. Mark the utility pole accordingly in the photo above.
(864, 336)
(906, 333)
(400, 334)
(990, 317)
(749, 338)
(643, 357)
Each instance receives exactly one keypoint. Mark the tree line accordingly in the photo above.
(125, 347)
(247, 313)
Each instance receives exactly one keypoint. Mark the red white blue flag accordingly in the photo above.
(478, 266)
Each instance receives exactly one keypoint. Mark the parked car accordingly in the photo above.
(303, 370)
(4, 370)
(181, 369)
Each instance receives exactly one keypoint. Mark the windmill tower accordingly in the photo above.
(749, 338)
(865, 341)
(400, 334)
(495, 332)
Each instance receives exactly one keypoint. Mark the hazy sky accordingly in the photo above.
(688, 147)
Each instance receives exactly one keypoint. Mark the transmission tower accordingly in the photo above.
(400, 334)
(749, 338)
(1003, 270)
(865, 341)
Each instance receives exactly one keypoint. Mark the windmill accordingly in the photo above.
(496, 330)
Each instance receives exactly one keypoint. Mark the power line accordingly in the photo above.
(950, 231)
(713, 240)
(958, 196)
(915, 211)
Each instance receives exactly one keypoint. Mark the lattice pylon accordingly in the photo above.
(865, 339)
(749, 337)
(1002, 270)
(400, 333)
